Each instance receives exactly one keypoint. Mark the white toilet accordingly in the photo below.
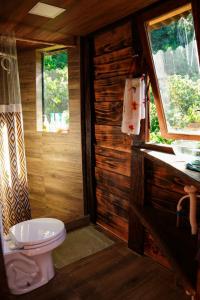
(27, 253)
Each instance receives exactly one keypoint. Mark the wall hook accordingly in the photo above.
(135, 55)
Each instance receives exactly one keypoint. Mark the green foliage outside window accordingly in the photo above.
(56, 61)
(185, 100)
(173, 35)
(56, 96)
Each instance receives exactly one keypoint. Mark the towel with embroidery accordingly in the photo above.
(134, 105)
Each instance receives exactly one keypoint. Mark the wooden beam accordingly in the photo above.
(136, 229)
(33, 41)
(87, 128)
(36, 35)
(196, 12)
(170, 14)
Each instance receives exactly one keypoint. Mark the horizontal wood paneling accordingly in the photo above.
(109, 113)
(54, 160)
(112, 212)
(116, 183)
(114, 56)
(112, 60)
(112, 137)
(160, 176)
(163, 189)
(162, 199)
(112, 193)
(114, 203)
(114, 223)
(108, 70)
(113, 160)
(109, 89)
(114, 39)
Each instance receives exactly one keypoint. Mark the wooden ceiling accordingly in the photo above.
(80, 18)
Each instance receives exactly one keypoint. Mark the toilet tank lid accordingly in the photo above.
(36, 231)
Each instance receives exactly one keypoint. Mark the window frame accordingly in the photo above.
(40, 53)
(142, 22)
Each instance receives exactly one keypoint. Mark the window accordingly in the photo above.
(174, 53)
(54, 106)
(155, 135)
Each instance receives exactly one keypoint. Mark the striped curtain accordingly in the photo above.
(13, 176)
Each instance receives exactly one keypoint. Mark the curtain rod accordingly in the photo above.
(43, 42)
(7, 55)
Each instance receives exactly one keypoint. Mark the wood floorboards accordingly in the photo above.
(115, 273)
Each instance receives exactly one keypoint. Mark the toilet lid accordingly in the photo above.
(36, 231)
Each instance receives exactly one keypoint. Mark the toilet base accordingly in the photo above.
(26, 273)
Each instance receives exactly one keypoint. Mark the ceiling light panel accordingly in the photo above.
(46, 10)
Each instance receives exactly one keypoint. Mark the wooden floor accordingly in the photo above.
(113, 273)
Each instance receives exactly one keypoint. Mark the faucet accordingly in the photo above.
(191, 191)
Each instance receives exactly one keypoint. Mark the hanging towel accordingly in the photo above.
(134, 105)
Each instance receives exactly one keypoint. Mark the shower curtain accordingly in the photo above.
(13, 176)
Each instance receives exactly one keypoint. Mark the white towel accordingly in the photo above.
(134, 105)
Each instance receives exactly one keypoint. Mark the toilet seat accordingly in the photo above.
(36, 232)
(43, 248)
(45, 243)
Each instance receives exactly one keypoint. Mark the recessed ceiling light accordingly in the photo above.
(46, 10)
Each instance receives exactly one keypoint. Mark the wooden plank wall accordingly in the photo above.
(54, 160)
(113, 50)
(163, 189)
(112, 59)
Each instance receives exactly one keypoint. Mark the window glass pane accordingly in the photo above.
(155, 133)
(175, 56)
(55, 92)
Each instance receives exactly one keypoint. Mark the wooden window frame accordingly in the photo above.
(40, 86)
(142, 21)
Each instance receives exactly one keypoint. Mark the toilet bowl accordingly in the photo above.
(27, 253)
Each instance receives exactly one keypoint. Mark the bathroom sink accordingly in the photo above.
(187, 150)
